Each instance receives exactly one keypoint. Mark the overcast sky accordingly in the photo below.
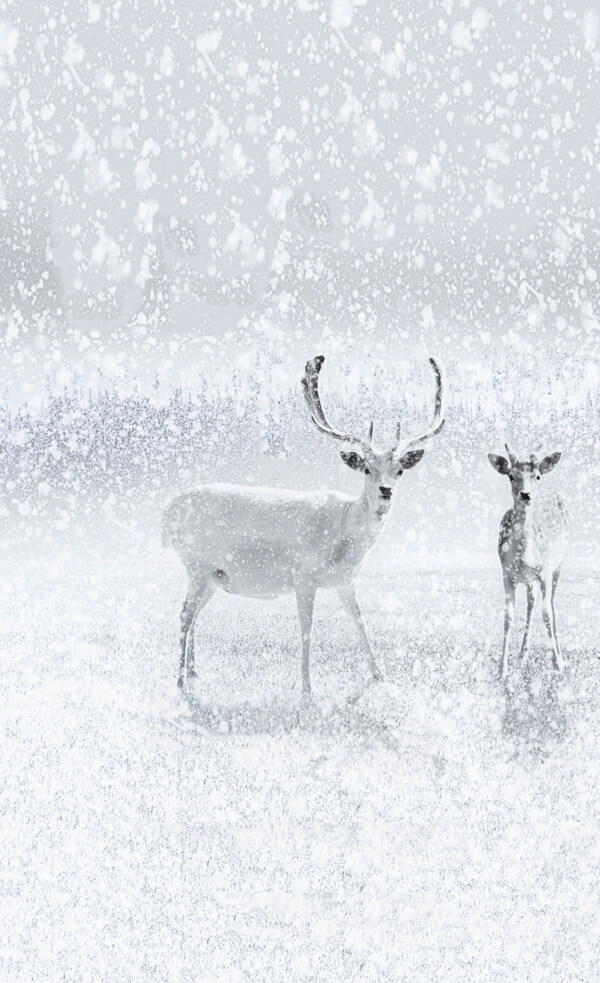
(186, 182)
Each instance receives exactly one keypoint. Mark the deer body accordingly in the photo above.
(260, 541)
(263, 542)
(532, 543)
(531, 547)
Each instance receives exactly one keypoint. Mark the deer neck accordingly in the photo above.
(523, 515)
(363, 522)
(523, 522)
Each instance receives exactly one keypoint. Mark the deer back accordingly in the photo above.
(218, 521)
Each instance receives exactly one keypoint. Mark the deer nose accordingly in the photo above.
(525, 496)
(385, 492)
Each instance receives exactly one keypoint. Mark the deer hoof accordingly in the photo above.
(376, 674)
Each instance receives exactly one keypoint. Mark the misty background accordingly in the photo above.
(194, 200)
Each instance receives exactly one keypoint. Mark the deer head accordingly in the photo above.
(381, 469)
(524, 475)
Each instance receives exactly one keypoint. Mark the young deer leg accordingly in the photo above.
(347, 596)
(555, 579)
(509, 613)
(548, 616)
(530, 605)
(305, 599)
(199, 594)
(191, 650)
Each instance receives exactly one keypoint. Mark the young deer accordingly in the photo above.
(533, 537)
(262, 542)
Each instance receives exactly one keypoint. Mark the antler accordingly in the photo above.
(512, 457)
(438, 414)
(310, 385)
(535, 457)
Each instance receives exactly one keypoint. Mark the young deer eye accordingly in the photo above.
(538, 476)
(367, 471)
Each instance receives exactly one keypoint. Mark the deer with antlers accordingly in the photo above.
(531, 545)
(262, 542)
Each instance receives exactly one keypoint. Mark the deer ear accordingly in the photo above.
(549, 462)
(411, 458)
(500, 464)
(353, 460)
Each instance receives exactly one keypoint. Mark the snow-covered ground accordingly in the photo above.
(437, 826)
(193, 203)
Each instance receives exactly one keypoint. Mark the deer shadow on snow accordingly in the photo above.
(353, 717)
(534, 719)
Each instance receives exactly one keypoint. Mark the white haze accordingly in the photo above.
(194, 200)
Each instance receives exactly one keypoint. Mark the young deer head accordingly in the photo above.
(381, 469)
(525, 476)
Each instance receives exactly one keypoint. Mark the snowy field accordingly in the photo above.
(194, 201)
(438, 826)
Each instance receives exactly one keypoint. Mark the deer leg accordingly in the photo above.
(347, 596)
(530, 605)
(191, 650)
(509, 613)
(305, 599)
(555, 579)
(548, 616)
(198, 595)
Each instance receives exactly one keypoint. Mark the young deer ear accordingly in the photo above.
(353, 460)
(499, 463)
(549, 462)
(411, 458)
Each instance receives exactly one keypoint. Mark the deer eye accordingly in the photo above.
(511, 477)
(367, 471)
(400, 472)
(538, 476)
